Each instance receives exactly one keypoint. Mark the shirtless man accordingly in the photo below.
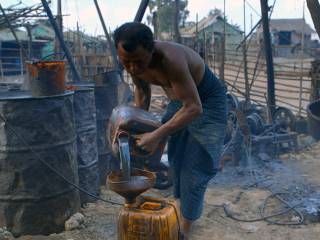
(195, 118)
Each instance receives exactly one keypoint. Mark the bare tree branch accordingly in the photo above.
(18, 15)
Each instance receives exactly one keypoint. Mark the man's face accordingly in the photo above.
(135, 62)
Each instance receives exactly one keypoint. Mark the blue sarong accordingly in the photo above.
(194, 152)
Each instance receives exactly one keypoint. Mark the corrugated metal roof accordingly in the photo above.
(202, 24)
(6, 35)
(295, 24)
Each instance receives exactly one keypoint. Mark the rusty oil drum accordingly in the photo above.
(106, 98)
(37, 133)
(46, 78)
(87, 148)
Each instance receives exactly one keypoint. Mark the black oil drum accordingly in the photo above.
(313, 111)
(85, 119)
(33, 198)
(106, 97)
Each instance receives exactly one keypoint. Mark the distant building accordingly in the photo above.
(88, 51)
(10, 54)
(287, 38)
(76, 41)
(209, 33)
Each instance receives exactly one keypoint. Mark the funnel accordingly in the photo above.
(140, 181)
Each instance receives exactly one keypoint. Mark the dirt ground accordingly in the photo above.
(296, 172)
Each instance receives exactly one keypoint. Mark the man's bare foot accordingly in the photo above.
(183, 236)
(185, 228)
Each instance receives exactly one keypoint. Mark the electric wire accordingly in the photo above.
(263, 216)
(38, 157)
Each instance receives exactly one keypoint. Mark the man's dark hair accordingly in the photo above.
(134, 34)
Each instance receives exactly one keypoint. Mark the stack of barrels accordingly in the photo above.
(52, 143)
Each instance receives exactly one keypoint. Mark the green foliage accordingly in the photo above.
(165, 11)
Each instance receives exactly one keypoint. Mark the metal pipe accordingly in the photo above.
(112, 47)
(141, 10)
(56, 29)
(269, 59)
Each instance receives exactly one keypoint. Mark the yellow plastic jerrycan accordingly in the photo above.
(149, 219)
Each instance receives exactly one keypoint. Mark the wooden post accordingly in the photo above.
(155, 25)
(30, 52)
(57, 47)
(1, 66)
(205, 54)
(314, 9)
(21, 62)
(1, 70)
(79, 52)
(269, 59)
(223, 46)
(244, 51)
(301, 63)
(315, 80)
(141, 10)
(176, 18)
(197, 31)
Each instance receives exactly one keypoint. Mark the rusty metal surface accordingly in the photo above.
(46, 78)
(106, 98)
(140, 181)
(150, 219)
(86, 128)
(33, 199)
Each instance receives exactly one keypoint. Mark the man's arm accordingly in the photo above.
(185, 90)
(142, 94)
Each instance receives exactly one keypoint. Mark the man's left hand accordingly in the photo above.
(147, 141)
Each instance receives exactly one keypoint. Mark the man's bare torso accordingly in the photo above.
(169, 53)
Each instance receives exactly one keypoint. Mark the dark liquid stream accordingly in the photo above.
(125, 161)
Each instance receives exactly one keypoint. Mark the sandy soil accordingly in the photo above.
(294, 170)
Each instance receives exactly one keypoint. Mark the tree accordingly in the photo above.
(216, 11)
(165, 11)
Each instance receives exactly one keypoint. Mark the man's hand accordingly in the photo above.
(147, 141)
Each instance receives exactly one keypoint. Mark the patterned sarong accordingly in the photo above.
(194, 151)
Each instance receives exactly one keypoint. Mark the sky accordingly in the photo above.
(116, 12)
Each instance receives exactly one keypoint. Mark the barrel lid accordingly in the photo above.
(89, 84)
(26, 95)
(80, 86)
